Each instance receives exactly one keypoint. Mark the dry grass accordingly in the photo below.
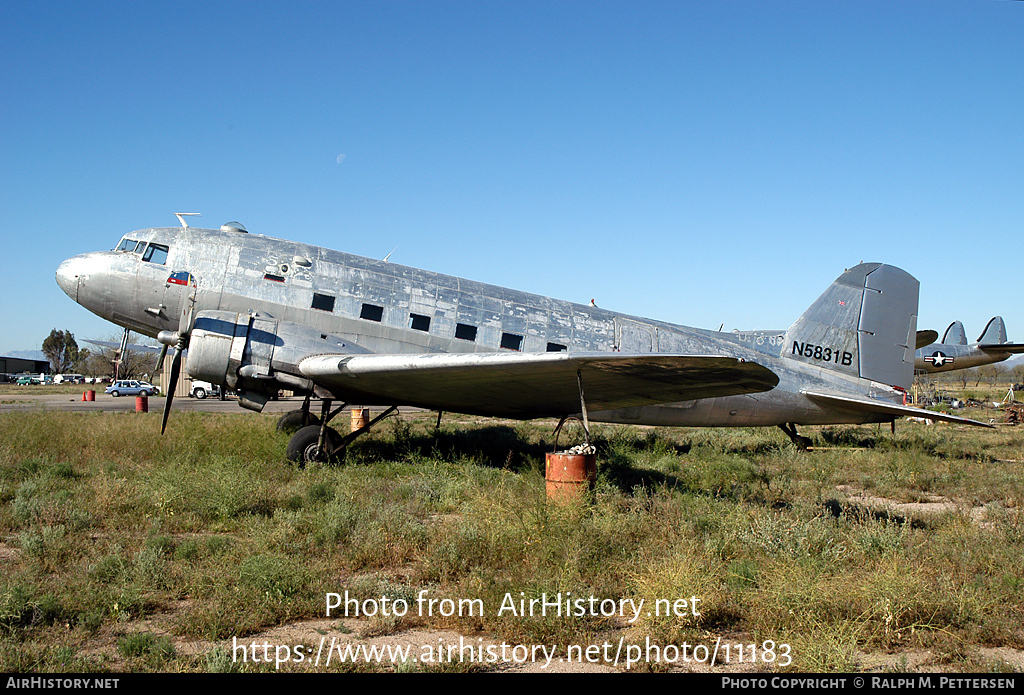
(209, 533)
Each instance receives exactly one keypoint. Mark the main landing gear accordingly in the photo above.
(802, 443)
(315, 442)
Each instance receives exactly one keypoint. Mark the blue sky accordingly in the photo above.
(694, 162)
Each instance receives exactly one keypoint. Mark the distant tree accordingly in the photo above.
(97, 364)
(1018, 373)
(988, 372)
(84, 357)
(61, 350)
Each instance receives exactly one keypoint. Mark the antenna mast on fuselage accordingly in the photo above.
(182, 215)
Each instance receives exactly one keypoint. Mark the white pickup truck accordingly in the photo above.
(202, 389)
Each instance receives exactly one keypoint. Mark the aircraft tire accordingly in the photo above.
(302, 447)
(292, 421)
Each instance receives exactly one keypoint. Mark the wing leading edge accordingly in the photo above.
(527, 385)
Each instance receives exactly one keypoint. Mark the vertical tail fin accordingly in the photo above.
(994, 333)
(955, 334)
(863, 325)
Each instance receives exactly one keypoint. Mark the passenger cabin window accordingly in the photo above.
(372, 312)
(511, 341)
(419, 322)
(323, 302)
(556, 347)
(465, 332)
(156, 253)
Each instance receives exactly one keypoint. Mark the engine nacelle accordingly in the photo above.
(256, 355)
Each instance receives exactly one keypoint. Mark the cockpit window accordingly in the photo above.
(156, 253)
(131, 246)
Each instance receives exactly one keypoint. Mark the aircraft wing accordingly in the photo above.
(134, 347)
(527, 385)
(868, 405)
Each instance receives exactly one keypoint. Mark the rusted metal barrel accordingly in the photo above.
(142, 404)
(570, 477)
(89, 395)
(360, 418)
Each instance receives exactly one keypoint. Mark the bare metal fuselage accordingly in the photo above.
(415, 311)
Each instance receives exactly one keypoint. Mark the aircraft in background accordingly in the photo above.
(259, 314)
(953, 352)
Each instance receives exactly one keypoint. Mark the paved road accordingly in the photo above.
(126, 404)
(107, 403)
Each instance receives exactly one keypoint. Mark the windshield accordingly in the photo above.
(131, 246)
(151, 253)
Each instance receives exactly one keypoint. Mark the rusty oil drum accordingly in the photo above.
(360, 418)
(570, 477)
(141, 404)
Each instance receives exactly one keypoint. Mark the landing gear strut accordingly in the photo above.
(802, 443)
(320, 443)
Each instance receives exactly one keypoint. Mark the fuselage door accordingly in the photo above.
(633, 337)
(161, 291)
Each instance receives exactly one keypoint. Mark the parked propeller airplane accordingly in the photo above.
(259, 314)
(954, 352)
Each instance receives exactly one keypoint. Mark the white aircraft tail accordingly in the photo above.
(863, 325)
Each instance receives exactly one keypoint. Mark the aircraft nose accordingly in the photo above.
(68, 274)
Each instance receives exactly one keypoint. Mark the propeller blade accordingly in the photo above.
(172, 385)
(119, 355)
(160, 358)
(181, 342)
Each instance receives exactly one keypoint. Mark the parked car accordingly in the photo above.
(28, 379)
(69, 379)
(131, 387)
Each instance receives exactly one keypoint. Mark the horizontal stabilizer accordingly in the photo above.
(1012, 348)
(527, 385)
(868, 405)
(926, 338)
